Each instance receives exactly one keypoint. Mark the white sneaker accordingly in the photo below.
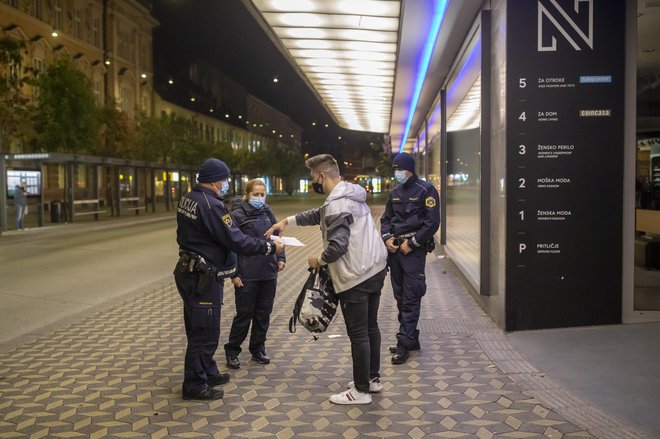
(374, 385)
(351, 396)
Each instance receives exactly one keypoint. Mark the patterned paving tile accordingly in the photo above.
(118, 374)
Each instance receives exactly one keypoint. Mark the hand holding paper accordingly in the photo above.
(287, 240)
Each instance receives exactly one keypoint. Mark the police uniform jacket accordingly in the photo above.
(205, 227)
(255, 222)
(412, 212)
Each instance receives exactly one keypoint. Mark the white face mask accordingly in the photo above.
(400, 176)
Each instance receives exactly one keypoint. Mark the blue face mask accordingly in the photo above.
(225, 188)
(400, 176)
(257, 202)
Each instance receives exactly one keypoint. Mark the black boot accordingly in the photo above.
(206, 394)
(401, 355)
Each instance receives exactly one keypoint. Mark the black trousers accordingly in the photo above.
(254, 304)
(409, 286)
(359, 306)
(201, 316)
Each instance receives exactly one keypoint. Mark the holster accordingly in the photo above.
(190, 262)
(205, 275)
(430, 245)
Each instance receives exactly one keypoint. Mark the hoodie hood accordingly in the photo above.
(347, 190)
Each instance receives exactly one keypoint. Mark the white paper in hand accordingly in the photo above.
(287, 240)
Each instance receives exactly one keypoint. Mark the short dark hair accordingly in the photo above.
(323, 163)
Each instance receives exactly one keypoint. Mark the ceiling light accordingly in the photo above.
(347, 51)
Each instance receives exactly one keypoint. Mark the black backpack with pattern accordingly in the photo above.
(316, 304)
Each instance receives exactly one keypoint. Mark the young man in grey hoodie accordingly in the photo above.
(356, 258)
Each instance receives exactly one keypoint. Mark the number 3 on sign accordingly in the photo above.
(522, 150)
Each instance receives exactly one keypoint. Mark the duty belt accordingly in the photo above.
(406, 235)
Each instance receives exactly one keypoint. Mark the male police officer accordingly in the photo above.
(411, 218)
(207, 238)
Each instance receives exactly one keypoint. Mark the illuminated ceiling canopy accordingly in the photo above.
(347, 51)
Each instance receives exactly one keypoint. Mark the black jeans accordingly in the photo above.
(254, 304)
(359, 306)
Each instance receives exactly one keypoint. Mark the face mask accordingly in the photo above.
(318, 187)
(400, 176)
(223, 189)
(257, 202)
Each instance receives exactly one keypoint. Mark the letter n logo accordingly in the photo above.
(557, 17)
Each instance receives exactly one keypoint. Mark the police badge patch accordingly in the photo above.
(430, 202)
(227, 220)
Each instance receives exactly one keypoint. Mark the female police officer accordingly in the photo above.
(255, 282)
(207, 239)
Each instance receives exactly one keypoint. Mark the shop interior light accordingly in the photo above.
(347, 51)
(468, 114)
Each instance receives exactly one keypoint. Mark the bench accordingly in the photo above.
(96, 210)
(135, 206)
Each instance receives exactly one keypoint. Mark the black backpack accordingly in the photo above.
(316, 304)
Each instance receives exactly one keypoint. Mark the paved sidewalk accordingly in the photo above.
(118, 373)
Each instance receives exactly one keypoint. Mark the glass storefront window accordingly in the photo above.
(647, 225)
(463, 212)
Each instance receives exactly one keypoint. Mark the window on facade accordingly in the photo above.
(38, 9)
(96, 88)
(124, 45)
(145, 104)
(96, 34)
(38, 65)
(58, 15)
(125, 100)
(14, 73)
(77, 24)
(143, 57)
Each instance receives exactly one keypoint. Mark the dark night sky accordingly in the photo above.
(225, 33)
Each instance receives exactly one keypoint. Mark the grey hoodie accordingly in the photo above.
(353, 248)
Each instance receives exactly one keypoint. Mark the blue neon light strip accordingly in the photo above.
(424, 65)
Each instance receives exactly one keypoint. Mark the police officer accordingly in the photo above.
(411, 218)
(208, 240)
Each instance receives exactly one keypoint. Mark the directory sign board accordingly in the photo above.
(565, 144)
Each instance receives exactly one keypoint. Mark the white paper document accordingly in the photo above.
(287, 240)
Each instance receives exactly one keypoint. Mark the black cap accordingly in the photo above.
(405, 161)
